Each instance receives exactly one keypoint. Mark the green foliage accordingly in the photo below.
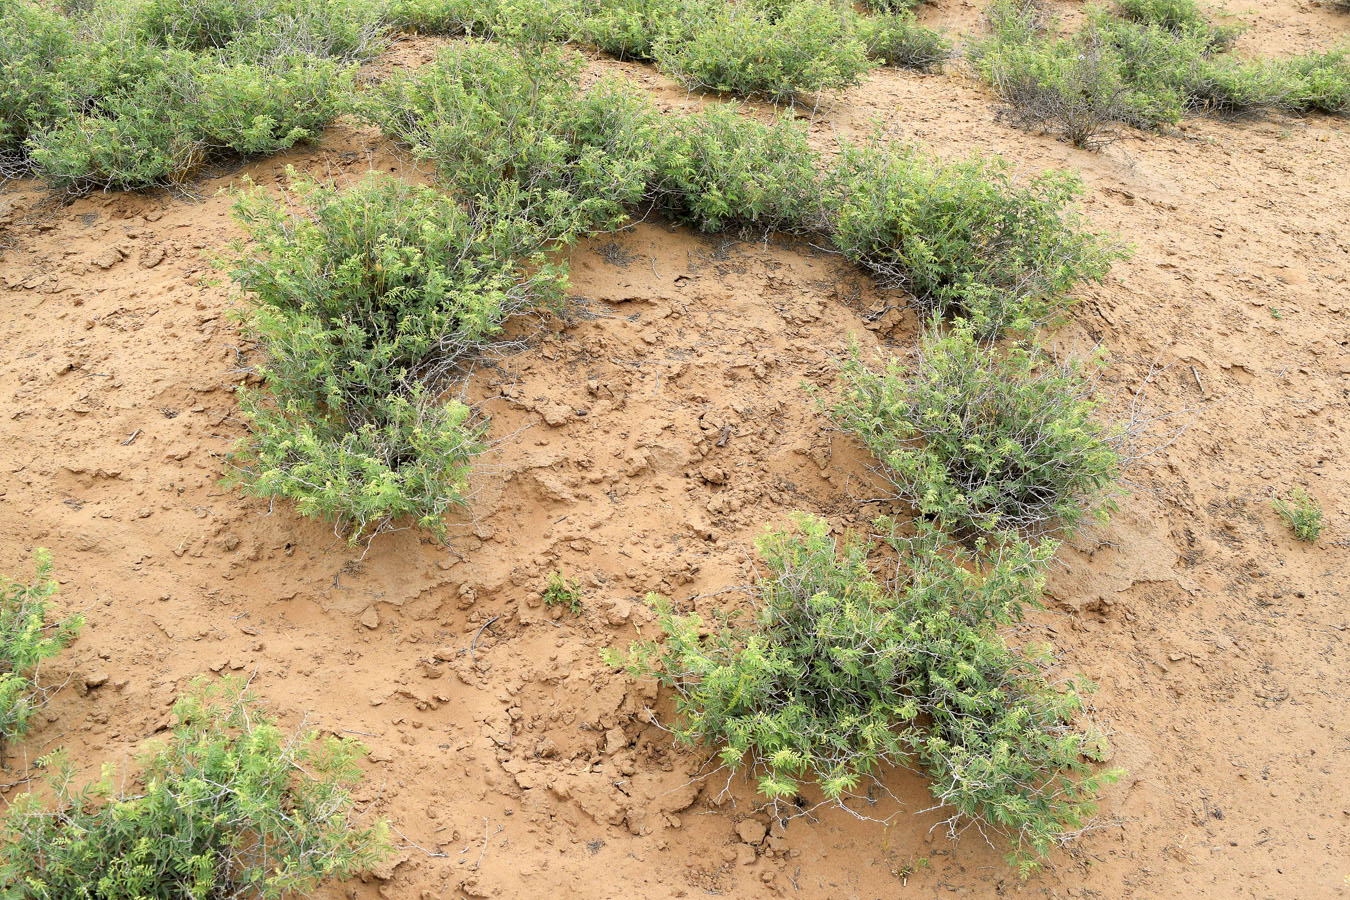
(762, 49)
(231, 806)
(514, 129)
(258, 109)
(26, 639)
(345, 30)
(562, 591)
(720, 168)
(34, 42)
(965, 239)
(983, 440)
(1301, 513)
(1321, 81)
(630, 29)
(899, 40)
(839, 675)
(1179, 16)
(364, 302)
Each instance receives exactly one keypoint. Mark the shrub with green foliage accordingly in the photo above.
(562, 591)
(364, 303)
(720, 169)
(965, 239)
(229, 806)
(1302, 514)
(839, 676)
(344, 30)
(512, 129)
(630, 29)
(899, 40)
(34, 43)
(26, 639)
(1178, 16)
(1320, 81)
(776, 51)
(984, 440)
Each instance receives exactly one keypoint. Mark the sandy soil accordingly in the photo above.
(642, 446)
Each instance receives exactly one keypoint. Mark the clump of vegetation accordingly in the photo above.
(984, 440)
(720, 169)
(774, 50)
(562, 591)
(34, 42)
(630, 29)
(364, 302)
(898, 39)
(230, 806)
(1301, 513)
(965, 239)
(515, 131)
(839, 675)
(26, 639)
(1321, 81)
(1179, 17)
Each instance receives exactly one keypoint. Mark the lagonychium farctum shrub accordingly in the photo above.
(365, 303)
(983, 439)
(513, 132)
(969, 238)
(26, 639)
(840, 676)
(228, 807)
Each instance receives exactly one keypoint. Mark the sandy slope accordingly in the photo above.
(642, 447)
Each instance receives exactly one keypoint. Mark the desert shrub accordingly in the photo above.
(1179, 16)
(258, 109)
(1301, 513)
(839, 675)
(891, 7)
(331, 29)
(34, 42)
(755, 49)
(719, 168)
(630, 29)
(518, 127)
(1320, 81)
(230, 806)
(561, 591)
(899, 40)
(966, 238)
(982, 439)
(517, 21)
(26, 639)
(364, 302)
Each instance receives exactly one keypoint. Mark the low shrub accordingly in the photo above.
(630, 29)
(257, 30)
(515, 21)
(562, 591)
(966, 238)
(1302, 514)
(839, 676)
(258, 109)
(230, 806)
(1178, 16)
(720, 169)
(984, 440)
(26, 639)
(364, 303)
(1320, 81)
(759, 49)
(517, 129)
(34, 44)
(899, 40)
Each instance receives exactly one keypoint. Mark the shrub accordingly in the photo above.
(719, 168)
(257, 109)
(983, 440)
(1320, 81)
(364, 303)
(1178, 16)
(1302, 514)
(562, 591)
(630, 29)
(345, 30)
(26, 639)
(34, 42)
(838, 676)
(899, 40)
(518, 21)
(966, 238)
(517, 129)
(755, 50)
(230, 806)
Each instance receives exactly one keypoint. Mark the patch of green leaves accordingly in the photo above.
(1302, 513)
(897, 39)
(562, 591)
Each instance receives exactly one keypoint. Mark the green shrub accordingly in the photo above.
(26, 639)
(34, 43)
(365, 302)
(983, 440)
(345, 30)
(516, 129)
(839, 676)
(516, 21)
(1320, 81)
(230, 806)
(755, 50)
(720, 168)
(965, 239)
(1178, 16)
(1302, 514)
(562, 591)
(630, 29)
(899, 40)
(258, 109)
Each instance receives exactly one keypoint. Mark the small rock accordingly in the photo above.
(96, 678)
(370, 618)
(615, 740)
(108, 258)
(751, 831)
(151, 257)
(556, 414)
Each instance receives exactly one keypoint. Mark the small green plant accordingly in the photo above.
(1320, 81)
(839, 676)
(899, 40)
(1301, 513)
(965, 239)
(981, 439)
(230, 806)
(562, 591)
(1178, 16)
(775, 51)
(26, 639)
(516, 130)
(630, 29)
(720, 169)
